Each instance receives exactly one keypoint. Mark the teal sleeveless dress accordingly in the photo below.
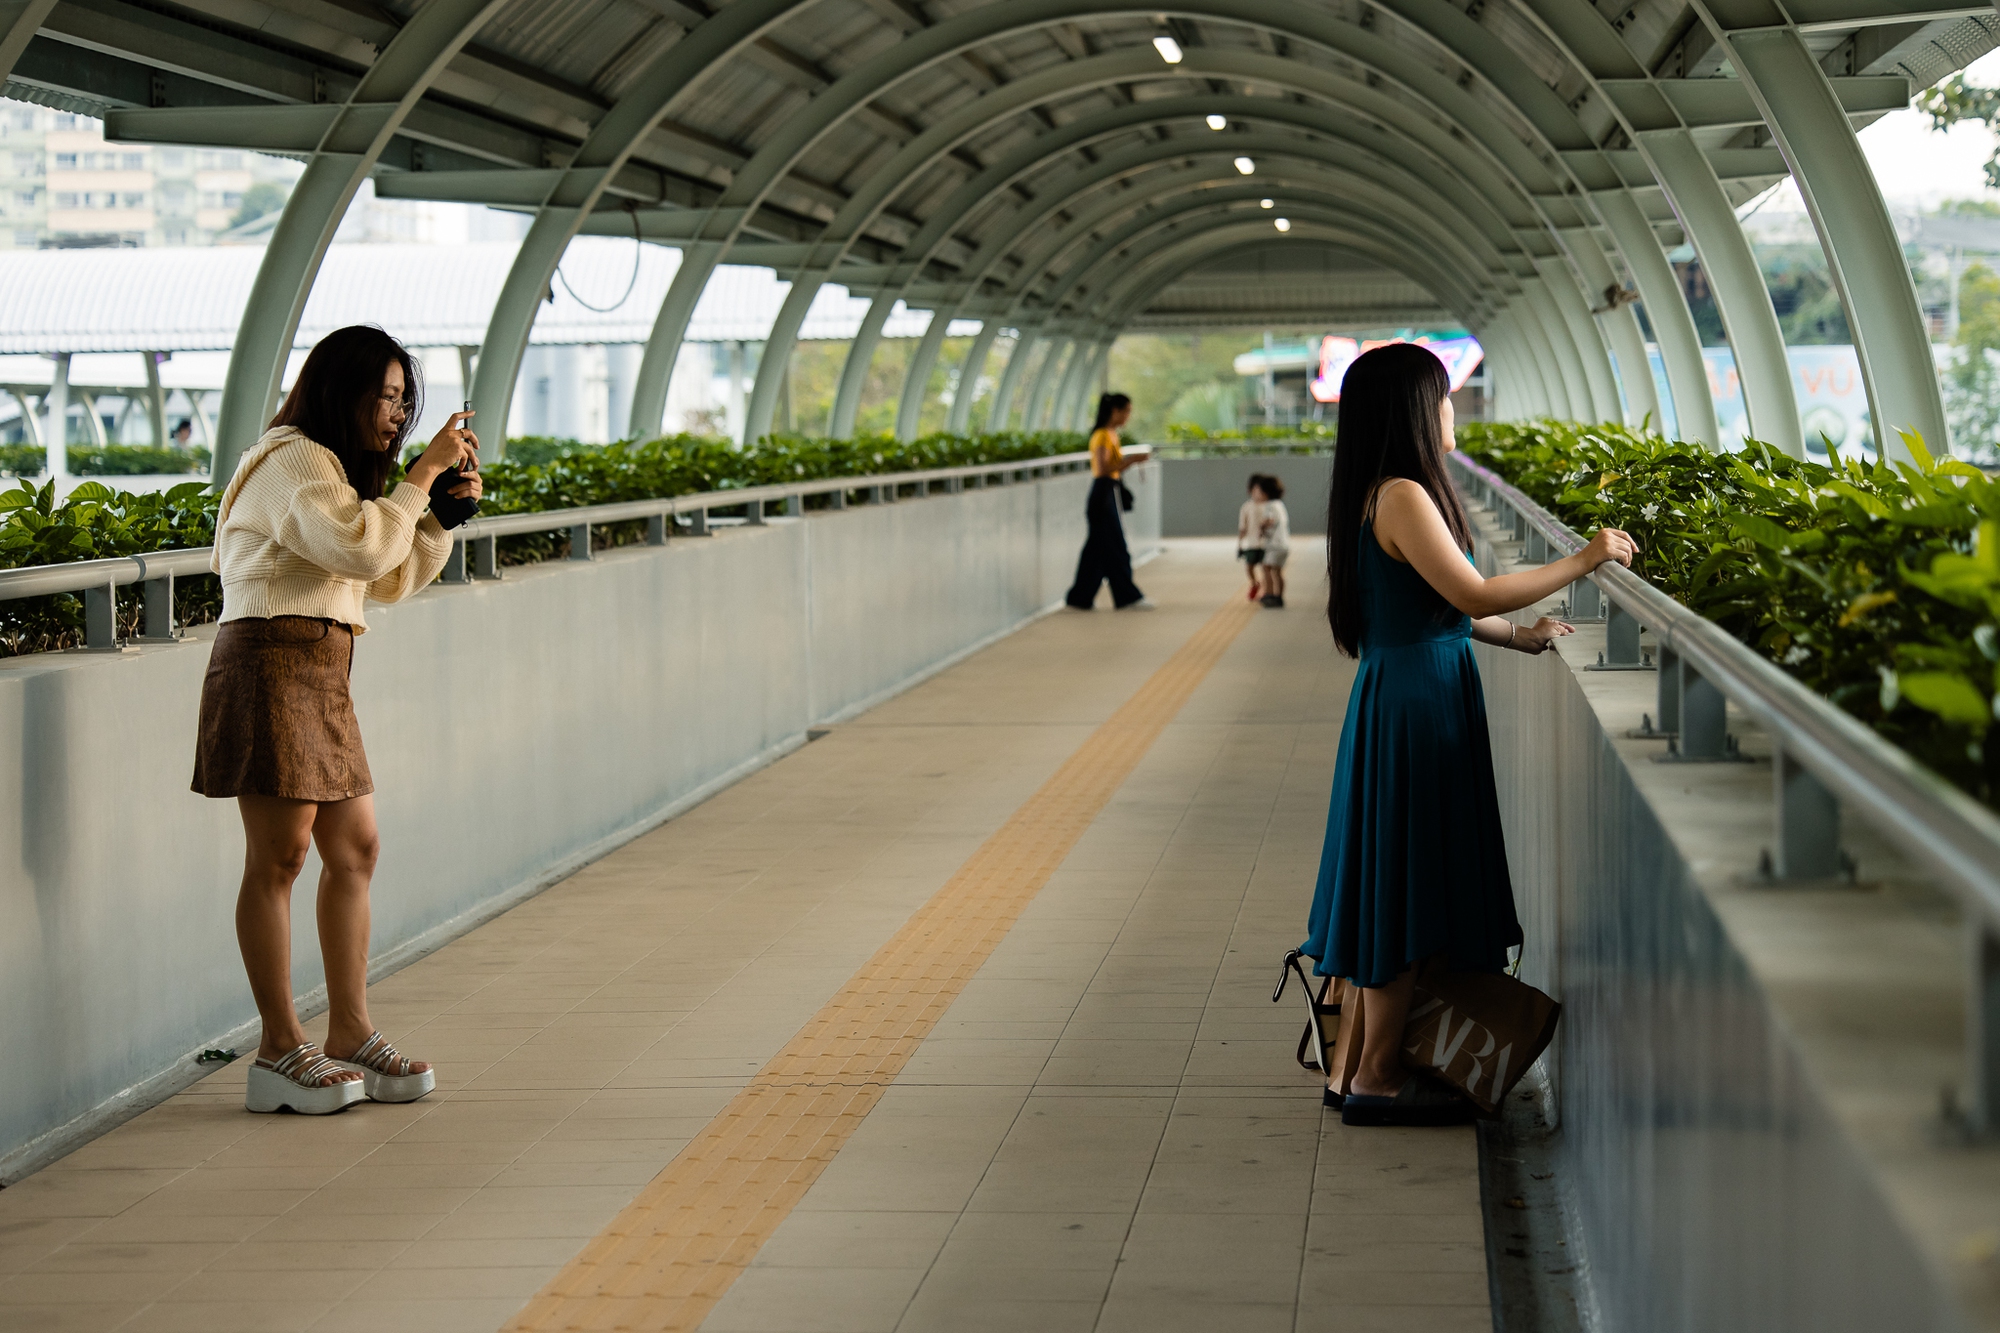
(1414, 863)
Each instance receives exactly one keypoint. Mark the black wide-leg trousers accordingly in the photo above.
(1104, 553)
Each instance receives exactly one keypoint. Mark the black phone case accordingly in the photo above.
(450, 509)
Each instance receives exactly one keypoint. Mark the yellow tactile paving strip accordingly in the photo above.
(665, 1261)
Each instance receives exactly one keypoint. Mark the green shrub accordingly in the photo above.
(111, 460)
(1876, 585)
(95, 521)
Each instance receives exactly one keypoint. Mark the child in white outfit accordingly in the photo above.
(1264, 539)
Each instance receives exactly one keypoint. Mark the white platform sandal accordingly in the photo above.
(386, 1075)
(297, 1079)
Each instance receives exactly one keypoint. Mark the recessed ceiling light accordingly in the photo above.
(1266, 203)
(1218, 122)
(1245, 165)
(1282, 224)
(1169, 49)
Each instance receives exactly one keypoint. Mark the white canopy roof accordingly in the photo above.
(175, 300)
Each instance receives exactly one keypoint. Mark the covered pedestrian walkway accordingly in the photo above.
(956, 1019)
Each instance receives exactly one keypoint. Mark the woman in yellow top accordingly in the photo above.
(309, 528)
(1104, 553)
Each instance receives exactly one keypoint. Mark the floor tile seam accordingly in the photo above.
(1113, 754)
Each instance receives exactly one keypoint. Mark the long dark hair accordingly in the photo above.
(1107, 408)
(333, 402)
(1391, 425)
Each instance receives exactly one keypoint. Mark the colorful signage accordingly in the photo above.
(1461, 356)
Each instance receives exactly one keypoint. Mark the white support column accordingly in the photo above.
(732, 401)
(960, 415)
(916, 381)
(1565, 364)
(663, 347)
(1035, 417)
(854, 371)
(1862, 248)
(1667, 311)
(56, 406)
(156, 399)
(778, 347)
(93, 423)
(1010, 379)
(1619, 325)
(31, 426)
(1599, 379)
(1709, 220)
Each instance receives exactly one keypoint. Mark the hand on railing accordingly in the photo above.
(1609, 544)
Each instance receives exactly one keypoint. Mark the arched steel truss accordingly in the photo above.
(1520, 160)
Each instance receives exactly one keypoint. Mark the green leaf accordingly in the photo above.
(1761, 530)
(1950, 696)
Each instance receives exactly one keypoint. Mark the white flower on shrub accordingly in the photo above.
(1650, 512)
(1796, 654)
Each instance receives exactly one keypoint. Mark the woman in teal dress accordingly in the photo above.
(1415, 866)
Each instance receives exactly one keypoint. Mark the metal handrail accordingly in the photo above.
(98, 580)
(1938, 825)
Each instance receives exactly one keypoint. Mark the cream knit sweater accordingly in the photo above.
(293, 539)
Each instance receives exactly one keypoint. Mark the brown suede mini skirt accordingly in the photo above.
(276, 716)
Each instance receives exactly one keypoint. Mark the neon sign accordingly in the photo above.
(1461, 356)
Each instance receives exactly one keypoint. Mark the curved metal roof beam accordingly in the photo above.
(963, 32)
(1358, 235)
(347, 153)
(576, 189)
(1471, 276)
(1482, 270)
(1395, 180)
(1066, 192)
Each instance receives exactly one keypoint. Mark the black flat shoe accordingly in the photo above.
(1328, 1097)
(1421, 1103)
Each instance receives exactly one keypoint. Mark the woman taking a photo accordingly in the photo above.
(1105, 556)
(304, 534)
(1415, 867)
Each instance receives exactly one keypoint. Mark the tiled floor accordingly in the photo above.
(1106, 1131)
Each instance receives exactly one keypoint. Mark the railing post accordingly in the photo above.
(1982, 1025)
(1808, 832)
(836, 499)
(1704, 728)
(753, 513)
(1538, 547)
(875, 494)
(1621, 642)
(657, 528)
(455, 570)
(795, 505)
(698, 522)
(100, 618)
(1586, 600)
(486, 557)
(923, 488)
(579, 542)
(1667, 705)
(160, 627)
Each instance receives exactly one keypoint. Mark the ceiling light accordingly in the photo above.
(1169, 49)
(1245, 165)
(1265, 203)
(1218, 122)
(1282, 224)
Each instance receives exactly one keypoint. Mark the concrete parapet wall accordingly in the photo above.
(515, 730)
(1201, 496)
(1746, 1076)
